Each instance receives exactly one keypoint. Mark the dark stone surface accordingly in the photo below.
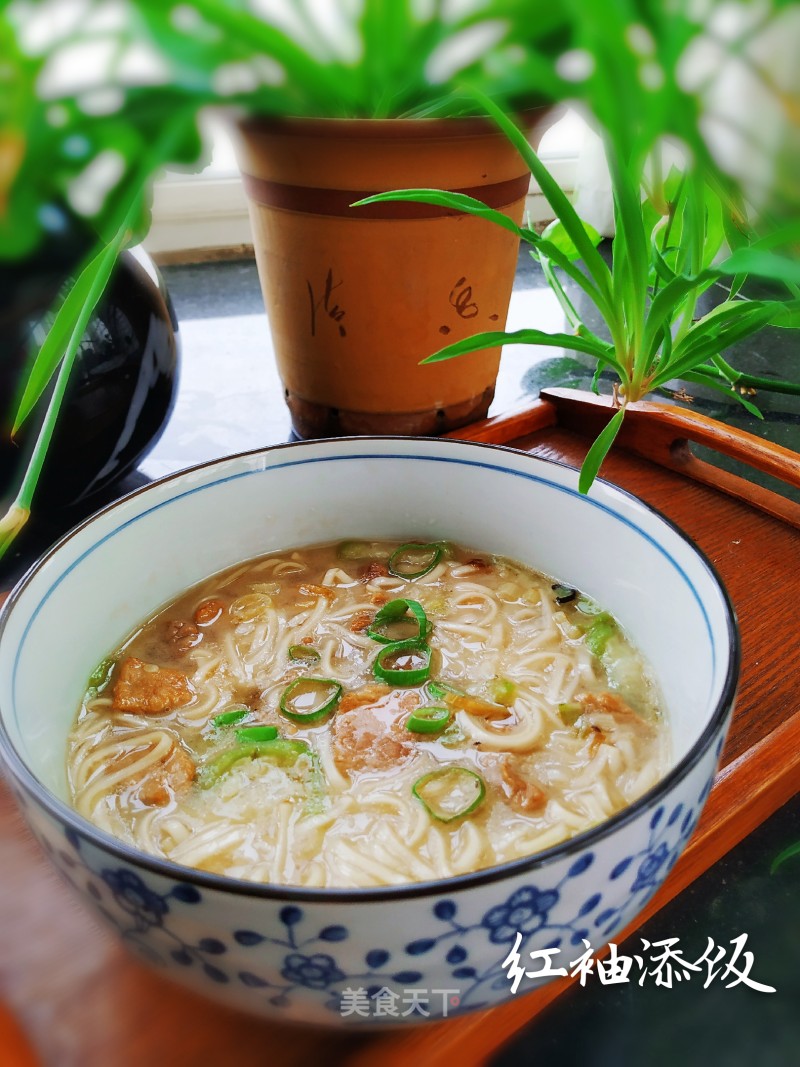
(628, 1025)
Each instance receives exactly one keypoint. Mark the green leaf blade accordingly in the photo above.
(782, 857)
(591, 345)
(469, 205)
(558, 237)
(67, 330)
(598, 452)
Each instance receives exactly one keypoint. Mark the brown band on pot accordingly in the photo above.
(336, 202)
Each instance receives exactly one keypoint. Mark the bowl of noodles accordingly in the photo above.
(367, 731)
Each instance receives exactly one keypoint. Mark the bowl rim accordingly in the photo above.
(165, 868)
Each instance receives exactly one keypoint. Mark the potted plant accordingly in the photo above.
(363, 108)
(218, 53)
(620, 58)
(682, 230)
(355, 296)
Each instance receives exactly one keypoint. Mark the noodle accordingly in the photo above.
(546, 704)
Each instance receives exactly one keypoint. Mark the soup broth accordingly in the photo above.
(364, 714)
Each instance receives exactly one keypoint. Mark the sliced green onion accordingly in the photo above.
(598, 635)
(315, 804)
(502, 691)
(570, 712)
(403, 663)
(453, 736)
(310, 699)
(396, 613)
(361, 550)
(441, 689)
(593, 620)
(257, 733)
(438, 605)
(99, 676)
(414, 561)
(281, 751)
(588, 606)
(449, 793)
(229, 717)
(304, 654)
(431, 719)
(564, 593)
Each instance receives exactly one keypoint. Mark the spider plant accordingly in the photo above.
(132, 65)
(387, 59)
(378, 60)
(677, 236)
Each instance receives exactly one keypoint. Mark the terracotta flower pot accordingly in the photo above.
(356, 297)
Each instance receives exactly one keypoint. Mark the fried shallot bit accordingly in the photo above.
(606, 711)
(148, 689)
(598, 738)
(475, 706)
(521, 792)
(170, 778)
(367, 694)
(372, 736)
(372, 571)
(606, 716)
(209, 612)
(182, 635)
(513, 782)
(360, 621)
(480, 564)
(248, 695)
(308, 589)
(379, 599)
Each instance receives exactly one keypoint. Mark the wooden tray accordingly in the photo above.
(89, 1005)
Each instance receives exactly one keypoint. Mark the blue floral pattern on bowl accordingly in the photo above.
(304, 966)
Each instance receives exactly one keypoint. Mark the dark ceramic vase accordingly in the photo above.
(121, 391)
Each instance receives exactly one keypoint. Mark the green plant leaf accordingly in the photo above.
(630, 260)
(662, 309)
(761, 263)
(69, 325)
(590, 344)
(700, 378)
(469, 205)
(66, 332)
(782, 857)
(557, 235)
(573, 318)
(243, 35)
(712, 335)
(786, 314)
(598, 452)
(721, 369)
(554, 195)
(663, 270)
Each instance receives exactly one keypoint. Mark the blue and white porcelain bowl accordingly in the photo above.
(366, 956)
